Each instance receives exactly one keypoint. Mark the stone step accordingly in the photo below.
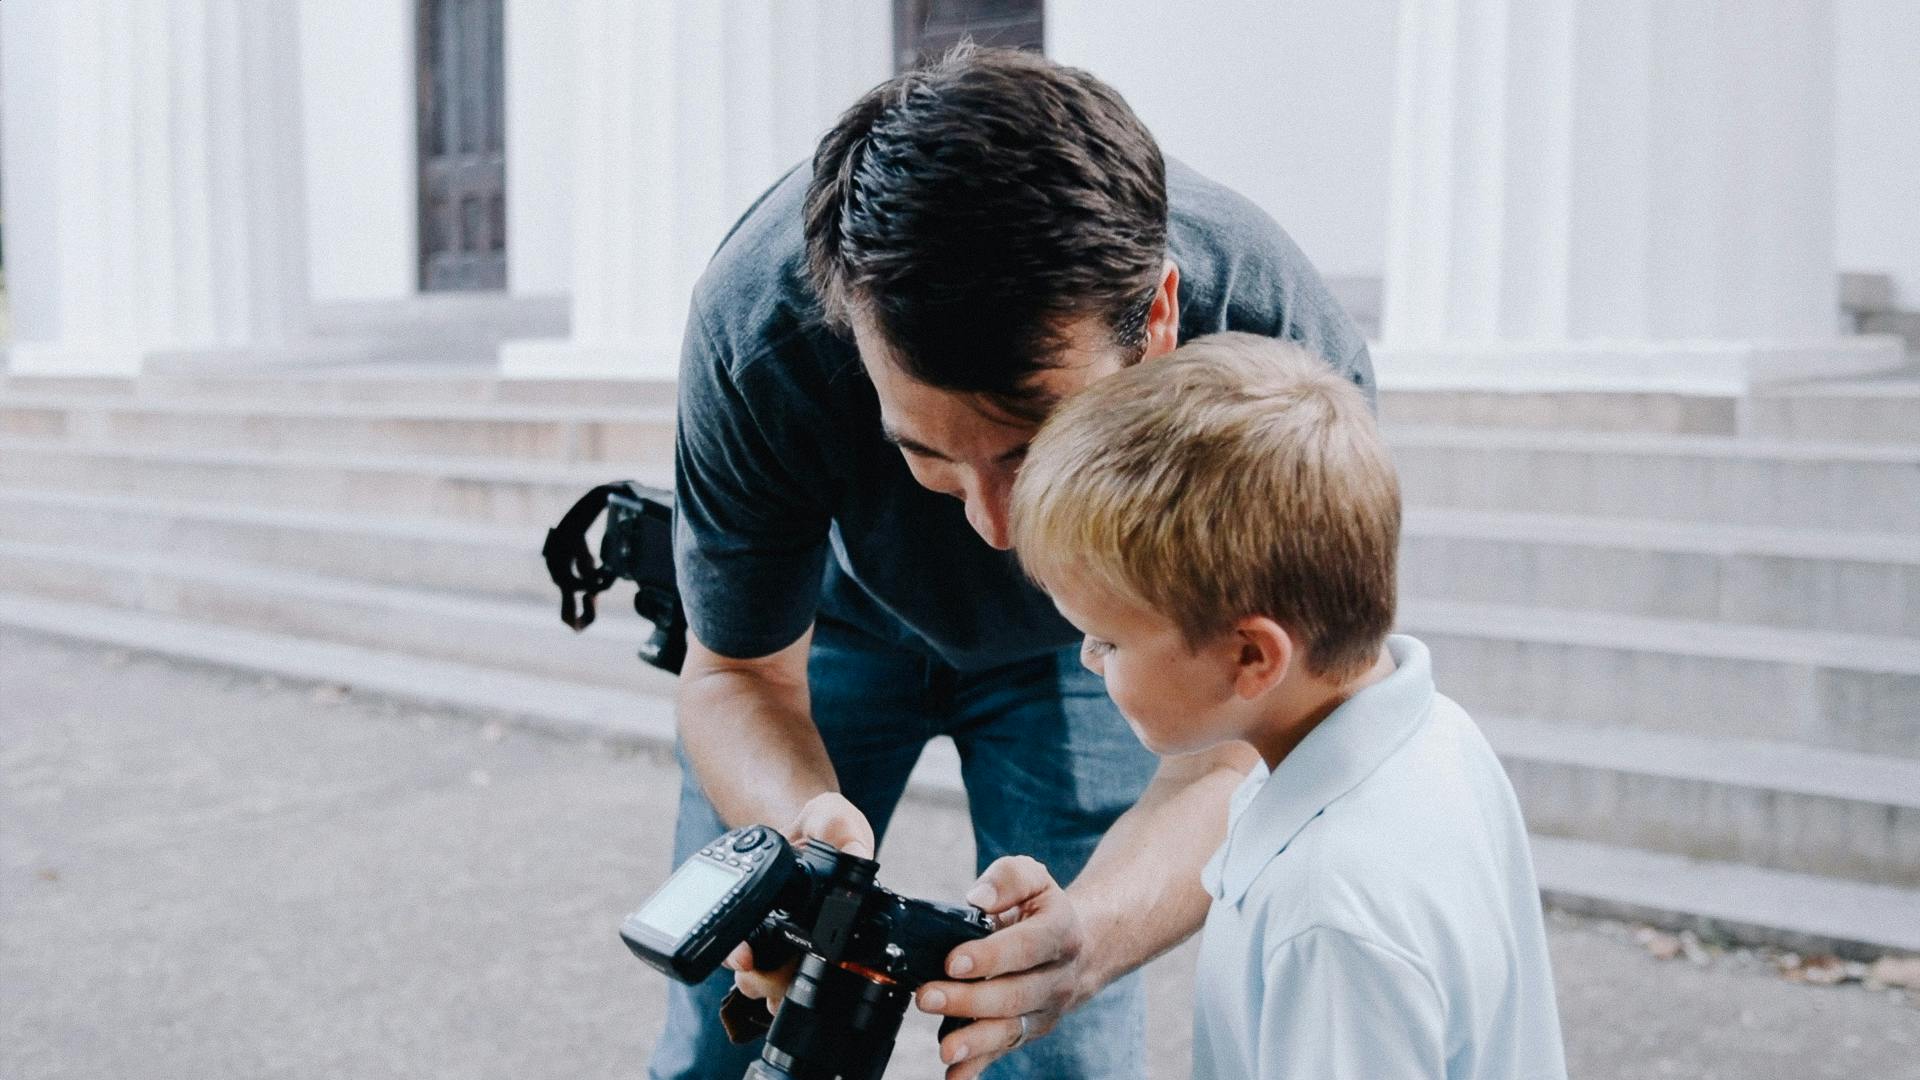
(1512, 656)
(1754, 904)
(1662, 477)
(410, 488)
(442, 429)
(1901, 324)
(501, 562)
(1746, 904)
(517, 636)
(1851, 582)
(105, 387)
(1880, 411)
(1653, 413)
(1792, 807)
(1813, 688)
(1764, 804)
(422, 385)
(1672, 478)
(640, 716)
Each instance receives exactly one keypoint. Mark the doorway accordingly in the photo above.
(923, 29)
(462, 138)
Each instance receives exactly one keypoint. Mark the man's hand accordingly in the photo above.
(1029, 969)
(828, 817)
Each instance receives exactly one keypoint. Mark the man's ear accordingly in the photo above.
(1163, 318)
(1266, 654)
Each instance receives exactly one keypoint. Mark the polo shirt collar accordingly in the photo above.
(1344, 749)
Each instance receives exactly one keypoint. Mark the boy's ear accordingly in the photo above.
(1266, 654)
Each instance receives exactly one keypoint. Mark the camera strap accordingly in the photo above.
(570, 561)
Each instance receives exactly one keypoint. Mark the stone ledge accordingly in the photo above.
(559, 706)
(565, 358)
(1684, 367)
(1744, 903)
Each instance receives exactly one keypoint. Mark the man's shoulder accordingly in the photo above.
(1202, 208)
(754, 298)
(1240, 270)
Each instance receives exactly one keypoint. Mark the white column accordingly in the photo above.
(542, 46)
(228, 223)
(359, 108)
(172, 140)
(73, 280)
(1614, 194)
(684, 113)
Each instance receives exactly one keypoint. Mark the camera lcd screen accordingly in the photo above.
(689, 894)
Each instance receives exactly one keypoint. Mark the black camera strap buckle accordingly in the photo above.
(570, 561)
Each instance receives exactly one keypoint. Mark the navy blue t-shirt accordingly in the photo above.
(791, 504)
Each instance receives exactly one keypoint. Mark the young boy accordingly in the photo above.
(1222, 524)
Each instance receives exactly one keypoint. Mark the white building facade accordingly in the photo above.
(1569, 193)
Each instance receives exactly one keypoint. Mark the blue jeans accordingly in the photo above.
(1048, 765)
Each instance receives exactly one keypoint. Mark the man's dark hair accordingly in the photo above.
(974, 207)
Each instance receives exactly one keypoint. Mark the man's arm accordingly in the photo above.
(1139, 896)
(1140, 893)
(749, 732)
(747, 728)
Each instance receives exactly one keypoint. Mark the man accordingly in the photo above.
(866, 359)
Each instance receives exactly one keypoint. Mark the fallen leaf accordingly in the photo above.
(1661, 946)
(1824, 971)
(1896, 971)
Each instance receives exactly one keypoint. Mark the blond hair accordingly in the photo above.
(1238, 476)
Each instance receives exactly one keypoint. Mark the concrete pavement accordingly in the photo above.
(212, 875)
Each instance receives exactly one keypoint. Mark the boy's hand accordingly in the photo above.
(827, 817)
(1027, 969)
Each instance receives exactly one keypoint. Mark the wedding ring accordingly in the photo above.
(1020, 1039)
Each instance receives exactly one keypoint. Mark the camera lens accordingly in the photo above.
(836, 1024)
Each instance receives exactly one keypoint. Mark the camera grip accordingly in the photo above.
(744, 1019)
(772, 948)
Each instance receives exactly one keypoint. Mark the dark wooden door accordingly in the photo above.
(463, 165)
(923, 29)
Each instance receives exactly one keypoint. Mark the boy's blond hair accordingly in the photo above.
(1238, 476)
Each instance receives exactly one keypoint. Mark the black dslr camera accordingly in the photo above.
(638, 546)
(864, 949)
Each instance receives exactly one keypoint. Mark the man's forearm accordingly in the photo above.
(1140, 894)
(749, 732)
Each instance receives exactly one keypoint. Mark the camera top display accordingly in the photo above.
(714, 901)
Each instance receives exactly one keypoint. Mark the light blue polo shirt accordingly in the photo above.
(1374, 908)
